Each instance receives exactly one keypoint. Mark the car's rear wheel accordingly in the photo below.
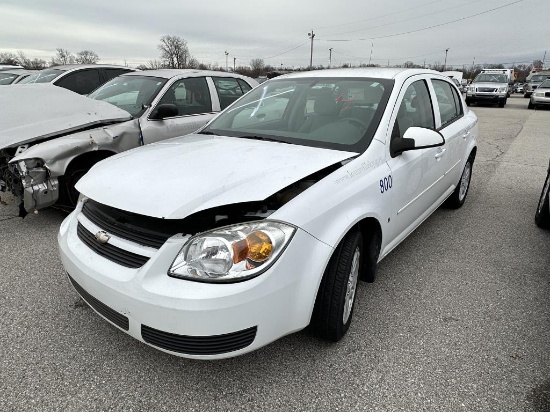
(542, 215)
(335, 300)
(458, 197)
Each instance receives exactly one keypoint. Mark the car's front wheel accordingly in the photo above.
(542, 215)
(336, 296)
(530, 105)
(458, 197)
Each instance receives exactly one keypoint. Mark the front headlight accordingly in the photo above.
(470, 89)
(32, 171)
(232, 253)
(502, 89)
(539, 94)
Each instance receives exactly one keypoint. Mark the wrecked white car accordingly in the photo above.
(263, 222)
(50, 137)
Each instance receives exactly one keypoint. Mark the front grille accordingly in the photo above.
(127, 225)
(486, 89)
(113, 253)
(117, 318)
(547, 94)
(199, 345)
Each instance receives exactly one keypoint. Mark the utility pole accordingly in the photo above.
(311, 36)
(226, 54)
(371, 47)
(445, 65)
(543, 59)
(329, 57)
(234, 61)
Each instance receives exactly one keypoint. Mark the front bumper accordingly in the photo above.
(540, 100)
(486, 97)
(187, 318)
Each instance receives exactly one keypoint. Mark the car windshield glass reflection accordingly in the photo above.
(545, 84)
(336, 113)
(491, 78)
(44, 76)
(131, 93)
(7, 78)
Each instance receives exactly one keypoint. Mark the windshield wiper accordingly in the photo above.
(266, 139)
(208, 133)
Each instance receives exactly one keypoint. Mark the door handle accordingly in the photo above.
(465, 135)
(440, 153)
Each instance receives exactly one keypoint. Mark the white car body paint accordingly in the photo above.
(280, 300)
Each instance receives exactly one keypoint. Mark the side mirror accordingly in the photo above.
(163, 111)
(416, 138)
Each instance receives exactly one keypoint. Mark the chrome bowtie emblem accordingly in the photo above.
(102, 237)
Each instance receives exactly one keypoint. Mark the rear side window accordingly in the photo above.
(81, 82)
(448, 102)
(228, 90)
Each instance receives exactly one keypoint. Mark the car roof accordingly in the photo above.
(376, 72)
(169, 73)
(87, 66)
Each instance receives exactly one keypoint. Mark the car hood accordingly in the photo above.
(181, 176)
(490, 85)
(33, 112)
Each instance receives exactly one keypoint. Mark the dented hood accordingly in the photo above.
(39, 111)
(181, 176)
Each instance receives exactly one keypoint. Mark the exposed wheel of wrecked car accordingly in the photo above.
(542, 215)
(458, 197)
(336, 296)
(73, 174)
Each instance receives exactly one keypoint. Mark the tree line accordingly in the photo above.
(175, 54)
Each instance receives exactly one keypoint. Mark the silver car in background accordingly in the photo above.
(541, 96)
(50, 137)
(14, 76)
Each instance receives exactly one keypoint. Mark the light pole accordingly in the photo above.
(329, 57)
(371, 47)
(234, 61)
(226, 54)
(445, 65)
(311, 36)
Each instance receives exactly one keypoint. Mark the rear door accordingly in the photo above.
(451, 123)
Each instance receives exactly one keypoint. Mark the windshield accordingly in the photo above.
(7, 78)
(131, 93)
(545, 84)
(539, 78)
(43, 76)
(335, 113)
(490, 78)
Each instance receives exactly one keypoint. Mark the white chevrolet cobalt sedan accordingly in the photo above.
(220, 242)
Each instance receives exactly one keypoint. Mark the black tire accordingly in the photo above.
(73, 174)
(501, 103)
(370, 256)
(333, 302)
(468, 102)
(530, 105)
(542, 215)
(525, 95)
(458, 197)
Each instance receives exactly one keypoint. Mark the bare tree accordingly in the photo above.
(155, 64)
(193, 63)
(27, 63)
(258, 66)
(174, 52)
(9, 58)
(87, 57)
(537, 64)
(62, 56)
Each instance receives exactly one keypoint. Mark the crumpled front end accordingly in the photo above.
(28, 180)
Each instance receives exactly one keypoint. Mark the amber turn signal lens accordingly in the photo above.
(259, 246)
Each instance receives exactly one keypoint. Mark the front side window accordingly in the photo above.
(447, 102)
(414, 110)
(336, 113)
(190, 95)
(131, 93)
(43, 76)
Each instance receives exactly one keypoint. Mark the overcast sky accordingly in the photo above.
(382, 31)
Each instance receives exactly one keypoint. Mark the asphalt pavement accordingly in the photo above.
(458, 319)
